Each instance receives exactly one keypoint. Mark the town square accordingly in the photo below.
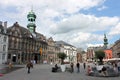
(59, 40)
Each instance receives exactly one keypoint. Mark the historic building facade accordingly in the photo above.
(116, 49)
(52, 50)
(108, 54)
(26, 44)
(80, 55)
(90, 54)
(69, 50)
(3, 43)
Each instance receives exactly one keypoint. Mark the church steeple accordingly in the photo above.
(105, 41)
(31, 19)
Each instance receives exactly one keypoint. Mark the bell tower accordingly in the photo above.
(105, 41)
(31, 21)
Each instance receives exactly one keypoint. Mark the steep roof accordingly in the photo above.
(25, 33)
(21, 31)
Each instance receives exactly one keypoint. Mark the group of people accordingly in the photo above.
(77, 66)
(115, 66)
(55, 68)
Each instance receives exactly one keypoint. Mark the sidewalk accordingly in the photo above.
(43, 72)
(4, 69)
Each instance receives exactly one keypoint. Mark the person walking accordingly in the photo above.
(118, 65)
(10, 65)
(29, 65)
(78, 67)
(72, 67)
(84, 65)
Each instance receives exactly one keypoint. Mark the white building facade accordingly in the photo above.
(69, 50)
(3, 43)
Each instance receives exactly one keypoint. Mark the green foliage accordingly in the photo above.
(100, 55)
(62, 56)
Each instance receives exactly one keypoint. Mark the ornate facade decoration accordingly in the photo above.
(26, 44)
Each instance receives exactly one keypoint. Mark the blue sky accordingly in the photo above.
(111, 9)
(81, 23)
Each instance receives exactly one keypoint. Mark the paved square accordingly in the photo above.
(43, 72)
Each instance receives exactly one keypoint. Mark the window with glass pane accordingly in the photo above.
(4, 47)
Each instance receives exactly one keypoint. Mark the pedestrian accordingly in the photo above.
(115, 67)
(84, 65)
(89, 71)
(29, 65)
(118, 64)
(104, 71)
(78, 67)
(10, 65)
(72, 67)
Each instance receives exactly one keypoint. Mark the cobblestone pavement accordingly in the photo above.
(43, 72)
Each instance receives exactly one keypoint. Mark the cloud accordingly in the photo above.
(61, 19)
(94, 45)
(47, 10)
(86, 23)
(115, 30)
(80, 39)
(102, 8)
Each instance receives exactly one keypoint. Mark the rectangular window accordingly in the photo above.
(4, 47)
(3, 56)
(9, 56)
(5, 38)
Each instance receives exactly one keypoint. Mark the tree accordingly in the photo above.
(100, 55)
(62, 56)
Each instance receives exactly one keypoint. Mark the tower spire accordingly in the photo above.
(31, 19)
(105, 41)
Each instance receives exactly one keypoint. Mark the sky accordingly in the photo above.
(81, 23)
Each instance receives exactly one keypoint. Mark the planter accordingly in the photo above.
(63, 67)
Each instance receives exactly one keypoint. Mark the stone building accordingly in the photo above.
(52, 50)
(3, 43)
(69, 50)
(90, 54)
(116, 49)
(26, 44)
(80, 55)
